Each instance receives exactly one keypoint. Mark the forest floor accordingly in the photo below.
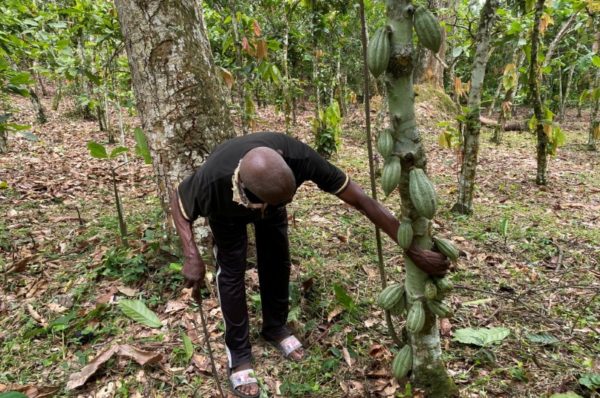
(63, 270)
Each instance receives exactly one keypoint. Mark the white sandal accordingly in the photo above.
(242, 378)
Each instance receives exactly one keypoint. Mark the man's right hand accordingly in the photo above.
(193, 271)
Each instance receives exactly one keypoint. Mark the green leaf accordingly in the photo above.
(188, 347)
(28, 135)
(12, 394)
(177, 267)
(596, 61)
(343, 298)
(542, 338)
(481, 337)
(97, 151)
(137, 310)
(590, 380)
(117, 151)
(3, 184)
(21, 78)
(141, 146)
(569, 394)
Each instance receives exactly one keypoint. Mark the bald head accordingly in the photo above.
(265, 173)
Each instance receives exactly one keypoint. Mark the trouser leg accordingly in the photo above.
(231, 243)
(273, 258)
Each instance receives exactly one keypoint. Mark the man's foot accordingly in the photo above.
(291, 348)
(242, 382)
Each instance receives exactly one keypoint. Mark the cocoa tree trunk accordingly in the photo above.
(536, 99)
(178, 92)
(429, 371)
(565, 97)
(38, 108)
(470, 150)
(3, 141)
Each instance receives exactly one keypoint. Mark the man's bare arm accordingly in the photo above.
(193, 266)
(375, 211)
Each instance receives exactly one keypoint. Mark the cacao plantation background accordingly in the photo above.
(483, 116)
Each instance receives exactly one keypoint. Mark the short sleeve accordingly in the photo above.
(328, 177)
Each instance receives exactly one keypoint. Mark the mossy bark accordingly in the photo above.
(536, 98)
(468, 171)
(429, 372)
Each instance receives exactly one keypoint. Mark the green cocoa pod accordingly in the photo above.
(444, 285)
(378, 52)
(422, 193)
(430, 290)
(400, 306)
(447, 248)
(385, 143)
(405, 234)
(416, 317)
(390, 296)
(440, 309)
(402, 363)
(390, 177)
(428, 29)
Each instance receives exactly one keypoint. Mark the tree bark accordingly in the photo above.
(535, 97)
(466, 180)
(594, 133)
(178, 92)
(565, 97)
(428, 371)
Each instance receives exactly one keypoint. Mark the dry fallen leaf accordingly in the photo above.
(335, 312)
(129, 292)
(142, 357)
(175, 306)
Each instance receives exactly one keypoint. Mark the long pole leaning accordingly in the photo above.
(198, 298)
(388, 318)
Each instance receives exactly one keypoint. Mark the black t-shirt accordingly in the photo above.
(208, 192)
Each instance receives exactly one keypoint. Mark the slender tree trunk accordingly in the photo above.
(240, 81)
(3, 141)
(495, 99)
(565, 97)
(38, 108)
(287, 105)
(507, 105)
(536, 98)
(429, 372)
(594, 134)
(179, 96)
(466, 180)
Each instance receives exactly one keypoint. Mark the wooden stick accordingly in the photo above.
(198, 297)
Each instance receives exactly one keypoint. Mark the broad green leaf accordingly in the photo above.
(590, 380)
(141, 146)
(28, 135)
(542, 338)
(596, 61)
(12, 394)
(117, 151)
(177, 267)
(343, 298)
(481, 337)
(137, 310)
(569, 394)
(97, 151)
(188, 347)
(21, 78)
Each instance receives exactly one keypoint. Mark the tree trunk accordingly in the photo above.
(536, 98)
(565, 97)
(506, 105)
(594, 134)
(38, 108)
(179, 94)
(428, 371)
(466, 180)
(240, 80)
(3, 141)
